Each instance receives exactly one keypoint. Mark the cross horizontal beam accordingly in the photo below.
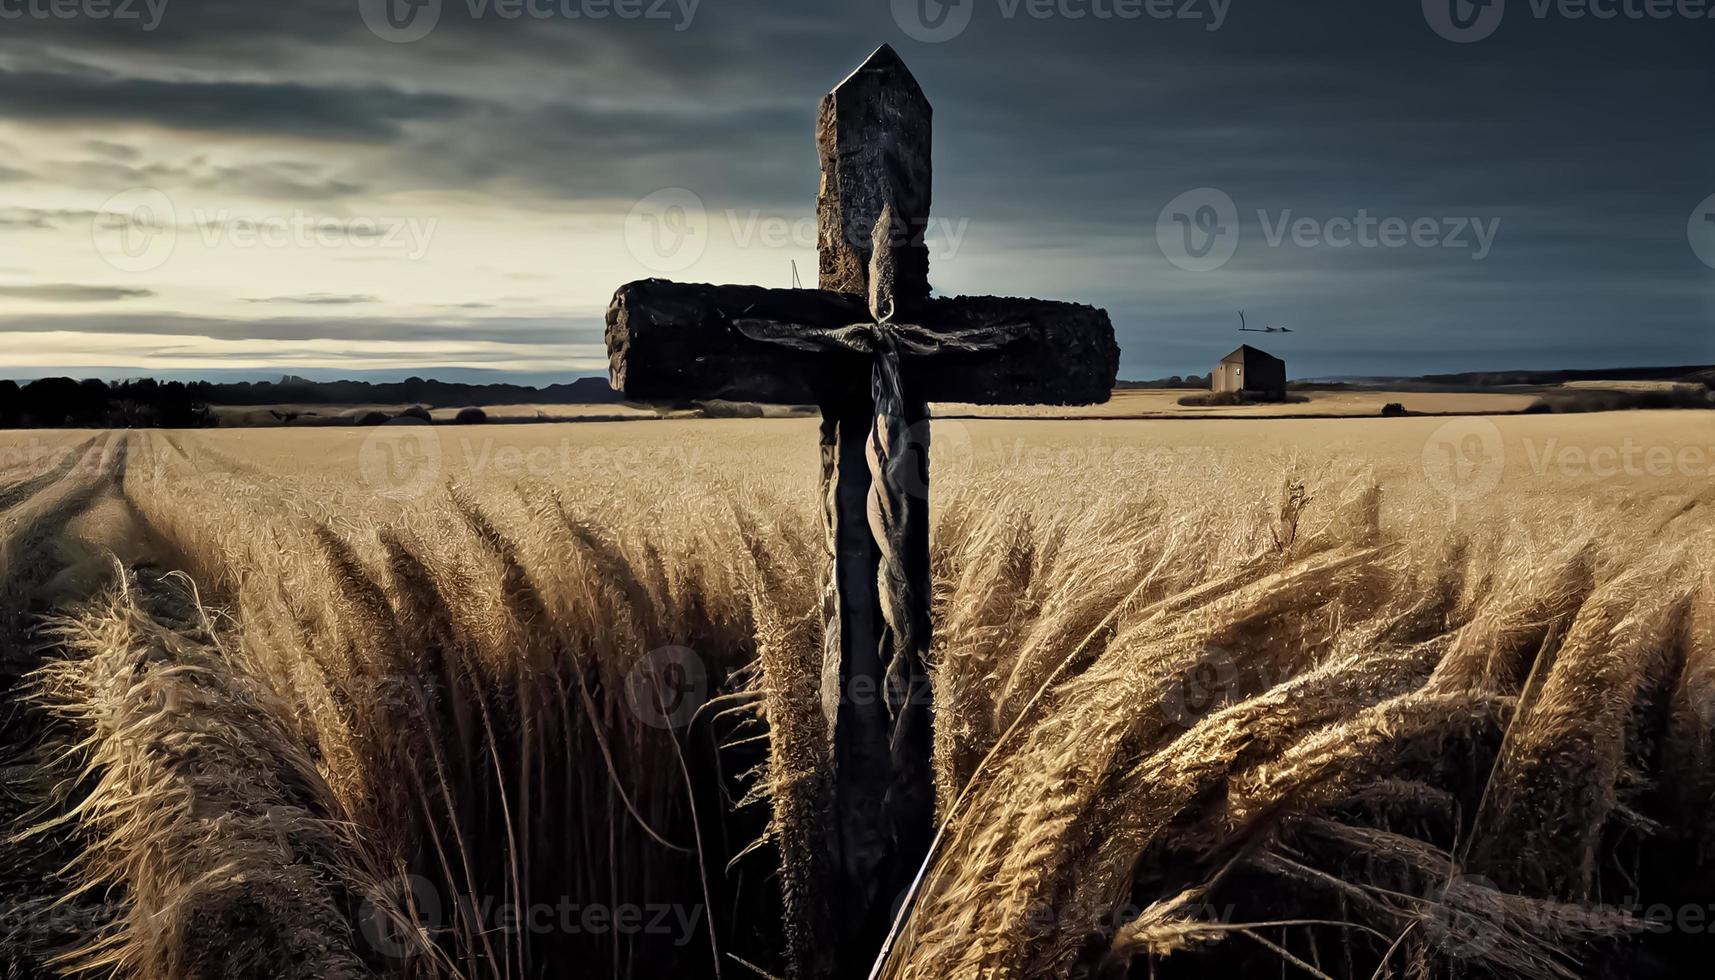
(676, 342)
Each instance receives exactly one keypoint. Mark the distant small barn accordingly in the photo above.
(1251, 372)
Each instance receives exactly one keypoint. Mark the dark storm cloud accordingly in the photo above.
(284, 180)
(734, 156)
(193, 32)
(565, 330)
(368, 114)
(1587, 147)
(71, 293)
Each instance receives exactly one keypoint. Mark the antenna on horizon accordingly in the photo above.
(1245, 327)
(796, 284)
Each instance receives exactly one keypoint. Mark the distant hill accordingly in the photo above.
(292, 390)
(1703, 374)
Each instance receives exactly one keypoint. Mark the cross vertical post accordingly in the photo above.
(873, 137)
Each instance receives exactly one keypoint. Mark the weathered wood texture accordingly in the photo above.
(873, 134)
(854, 662)
(873, 137)
(675, 342)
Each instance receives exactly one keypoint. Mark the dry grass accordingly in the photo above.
(1318, 722)
(197, 799)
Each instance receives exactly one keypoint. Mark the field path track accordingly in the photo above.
(16, 493)
(34, 515)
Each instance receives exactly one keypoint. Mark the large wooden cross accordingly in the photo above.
(872, 348)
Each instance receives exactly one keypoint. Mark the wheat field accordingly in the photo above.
(1214, 697)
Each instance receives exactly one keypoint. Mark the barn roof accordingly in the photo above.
(1246, 352)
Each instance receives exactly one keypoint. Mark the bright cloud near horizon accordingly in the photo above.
(225, 188)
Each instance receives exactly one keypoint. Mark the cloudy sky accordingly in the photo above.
(340, 188)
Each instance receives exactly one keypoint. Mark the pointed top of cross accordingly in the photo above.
(887, 62)
(874, 137)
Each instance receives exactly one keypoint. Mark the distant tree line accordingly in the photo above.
(412, 391)
(66, 403)
(52, 403)
(1696, 374)
(1189, 381)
